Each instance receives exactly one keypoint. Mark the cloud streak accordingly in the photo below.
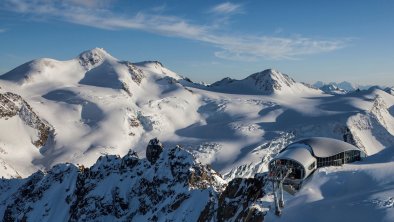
(226, 8)
(233, 47)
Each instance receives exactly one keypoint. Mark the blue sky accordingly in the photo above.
(310, 40)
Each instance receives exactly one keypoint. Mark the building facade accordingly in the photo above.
(305, 156)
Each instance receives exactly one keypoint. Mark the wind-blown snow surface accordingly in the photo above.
(362, 191)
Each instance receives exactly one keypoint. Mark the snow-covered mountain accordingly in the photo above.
(91, 103)
(332, 89)
(267, 82)
(75, 111)
(346, 86)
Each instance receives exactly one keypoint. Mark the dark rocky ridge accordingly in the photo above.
(174, 187)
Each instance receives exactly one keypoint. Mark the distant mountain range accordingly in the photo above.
(342, 87)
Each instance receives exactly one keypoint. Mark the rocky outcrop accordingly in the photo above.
(174, 187)
(92, 58)
(379, 110)
(137, 75)
(153, 150)
(236, 202)
(13, 105)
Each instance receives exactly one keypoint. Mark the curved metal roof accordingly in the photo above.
(325, 147)
(300, 154)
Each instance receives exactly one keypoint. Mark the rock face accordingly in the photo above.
(154, 150)
(92, 58)
(13, 105)
(240, 193)
(174, 187)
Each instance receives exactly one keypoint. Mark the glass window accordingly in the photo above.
(312, 166)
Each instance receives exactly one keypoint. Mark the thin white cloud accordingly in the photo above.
(241, 47)
(226, 8)
(89, 3)
(2, 30)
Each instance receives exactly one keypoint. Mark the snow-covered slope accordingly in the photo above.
(361, 191)
(22, 132)
(92, 102)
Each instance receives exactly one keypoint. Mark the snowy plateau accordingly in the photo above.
(74, 136)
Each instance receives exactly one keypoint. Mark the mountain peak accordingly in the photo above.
(332, 89)
(100, 51)
(271, 80)
(266, 82)
(94, 57)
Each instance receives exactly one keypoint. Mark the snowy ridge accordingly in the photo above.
(175, 187)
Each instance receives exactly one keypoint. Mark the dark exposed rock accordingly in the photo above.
(12, 104)
(240, 193)
(132, 189)
(153, 150)
(137, 75)
(91, 58)
(134, 122)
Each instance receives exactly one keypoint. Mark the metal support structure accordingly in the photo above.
(281, 199)
(277, 207)
(277, 176)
